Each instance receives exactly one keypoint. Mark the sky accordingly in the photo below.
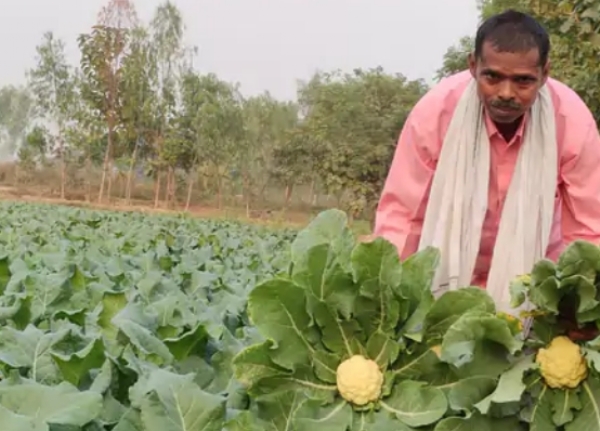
(265, 45)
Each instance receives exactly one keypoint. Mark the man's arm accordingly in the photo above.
(398, 217)
(581, 191)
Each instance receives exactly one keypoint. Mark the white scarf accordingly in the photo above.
(459, 198)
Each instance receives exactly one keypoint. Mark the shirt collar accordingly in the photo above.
(493, 130)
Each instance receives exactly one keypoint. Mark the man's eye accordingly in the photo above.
(524, 80)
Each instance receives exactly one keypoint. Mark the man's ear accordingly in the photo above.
(545, 72)
(473, 65)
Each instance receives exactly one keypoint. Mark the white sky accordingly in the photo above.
(264, 44)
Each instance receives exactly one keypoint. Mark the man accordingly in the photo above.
(554, 180)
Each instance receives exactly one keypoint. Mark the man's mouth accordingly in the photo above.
(505, 110)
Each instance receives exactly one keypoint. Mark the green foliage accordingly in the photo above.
(137, 101)
(342, 299)
(119, 321)
(576, 46)
(16, 114)
(353, 120)
(35, 146)
(115, 319)
(456, 58)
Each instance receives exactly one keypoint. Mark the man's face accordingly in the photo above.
(507, 82)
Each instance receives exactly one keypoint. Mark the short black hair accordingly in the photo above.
(513, 31)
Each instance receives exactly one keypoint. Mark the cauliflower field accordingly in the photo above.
(103, 315)
(128, 322)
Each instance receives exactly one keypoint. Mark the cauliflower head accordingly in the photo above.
(359, 380)
(562, 364)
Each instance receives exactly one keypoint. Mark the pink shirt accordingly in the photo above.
(401, 209)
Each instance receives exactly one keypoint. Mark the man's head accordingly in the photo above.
(510, 64)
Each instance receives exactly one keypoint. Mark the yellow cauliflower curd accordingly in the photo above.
(359, 380)
(562, 364)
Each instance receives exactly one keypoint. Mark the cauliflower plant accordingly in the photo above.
(359, 380)
(562, 364)
(514, 323)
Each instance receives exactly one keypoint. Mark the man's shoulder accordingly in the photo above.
(568, 103)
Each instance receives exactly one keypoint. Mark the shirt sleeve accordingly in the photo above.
(581, 191)
(397, 218)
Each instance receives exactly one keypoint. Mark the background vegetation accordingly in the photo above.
(134, 123)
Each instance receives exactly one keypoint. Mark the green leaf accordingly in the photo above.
(278, 310)
(183, 346)
(479, 423)
(75, 361)
(539, 413)
(564, 404)
(311, 415)
(180, 405)
(476, 328)
(321, 275)
(464, 394)
(510, 386)
(13, 422)
(30, 349)
(254, 368)
(57, 405)
(417, 277)
(588, 418)
(579, 258)
(451, 306)
(329, 227)
(416, 404)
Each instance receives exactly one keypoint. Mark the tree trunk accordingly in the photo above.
(169, 187)
(110, 180)
(246, 187)
(88, 180)
(289, 188)
(63, 168)
(157, 188)
(313, 197)
(166, 197)
(172, 186)
(191, 181)
(219, 190)
(106, 163)
(130, 176)
(104, 172)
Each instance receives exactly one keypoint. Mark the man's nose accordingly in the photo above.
(505, 90)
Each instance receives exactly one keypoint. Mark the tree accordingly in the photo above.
(138, 106)
(266, 125)
(15, 116)
(167, 30)
(574, 28)
(103, 51)
(53, 89)
(35, 146)
(456, 58)
(356, 118)
(295, 160)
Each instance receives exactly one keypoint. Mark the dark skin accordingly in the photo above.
(508, 84)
